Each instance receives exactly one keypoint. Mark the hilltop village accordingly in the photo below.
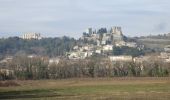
(101, 42)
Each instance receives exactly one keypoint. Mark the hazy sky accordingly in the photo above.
(72, 17)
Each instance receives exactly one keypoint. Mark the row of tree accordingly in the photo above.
(38, 68)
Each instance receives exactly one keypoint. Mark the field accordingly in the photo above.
(89, 89)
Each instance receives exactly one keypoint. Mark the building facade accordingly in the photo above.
(29, 36)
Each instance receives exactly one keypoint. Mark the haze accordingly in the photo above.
(72, 17)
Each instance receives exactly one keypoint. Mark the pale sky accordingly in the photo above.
(72, 17)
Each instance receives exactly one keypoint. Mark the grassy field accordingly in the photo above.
(90, 89)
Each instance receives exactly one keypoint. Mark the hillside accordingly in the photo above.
(45, 46)
(157, 42)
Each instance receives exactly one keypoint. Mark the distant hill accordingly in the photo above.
(157, 42)
(45, 46)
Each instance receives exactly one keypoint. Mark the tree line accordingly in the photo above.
(24, 68)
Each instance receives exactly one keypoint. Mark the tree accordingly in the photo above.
(127, 51)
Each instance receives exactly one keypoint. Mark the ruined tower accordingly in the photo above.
(116, 30)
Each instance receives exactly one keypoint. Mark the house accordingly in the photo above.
(121, 58)
(32, 56)
(98, 51)
(87, 47)
(76, 47)
(73, 55)
(6, 72)
(131, 44)
(89, 53)
(54, 61)
(104, 42)
(7, 59)
(80, 55)
(167, 48)
(98, 43)
(107, 47)
(106, 37)
(164, 55)
(141, 59)
(120, 43)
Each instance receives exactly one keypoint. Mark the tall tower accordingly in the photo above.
(89, 31)
(117, 35)
(116, 30)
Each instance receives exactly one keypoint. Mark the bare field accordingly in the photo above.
(128, 88)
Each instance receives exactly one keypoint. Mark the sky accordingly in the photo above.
(55, 18)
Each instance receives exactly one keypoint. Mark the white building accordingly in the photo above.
(87, 48)
(54, 61)
(121, 58)
(120, 43)
(29, 36)
(76, 47)
(107, 47)
(131, 44)
(32, 56)
(104, 42)
(6, 72)
(7, 59)
(167, 48)
(98, 51)
(164, 55)
(142, 59)
(80, 55)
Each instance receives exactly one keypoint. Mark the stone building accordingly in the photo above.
(30, 36)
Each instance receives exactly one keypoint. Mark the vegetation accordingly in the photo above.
(127, 51)
(45, 46)
(91, 89)
(102, 31)
(38, 68)
(155, 42)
